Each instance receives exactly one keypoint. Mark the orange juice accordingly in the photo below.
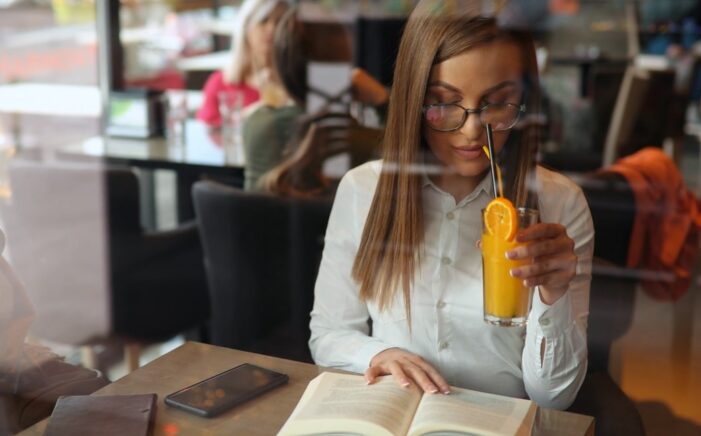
(504, 296)
(506, 300)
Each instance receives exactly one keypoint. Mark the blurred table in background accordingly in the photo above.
(200, 155)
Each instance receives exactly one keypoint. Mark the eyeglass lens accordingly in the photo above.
(452, 117)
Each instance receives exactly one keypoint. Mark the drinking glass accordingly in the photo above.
(176, 115)
(506, 300)
(231, 112)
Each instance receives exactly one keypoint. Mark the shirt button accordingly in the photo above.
(442, 345)
(545, 321)
(450, 215)
(440, 304)
(445, 261)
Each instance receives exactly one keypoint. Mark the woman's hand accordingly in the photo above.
(554, 262)
(406, 367)
(366, 89)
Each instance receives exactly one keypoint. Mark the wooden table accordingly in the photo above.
(193, 362)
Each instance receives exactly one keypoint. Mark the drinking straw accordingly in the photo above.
(492, 158)
(499, 181)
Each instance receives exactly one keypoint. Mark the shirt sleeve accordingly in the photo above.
(209, 112)
(339, 320)
(561, 328)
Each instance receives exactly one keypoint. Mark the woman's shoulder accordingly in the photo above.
(560, 199)
(217, 81)
(552, 183)
(365, 175)
(355, 193)
(264, 112)
(361, 180)
(262, 118)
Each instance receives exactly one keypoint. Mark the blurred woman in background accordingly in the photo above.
(249, 70)
(278, 138)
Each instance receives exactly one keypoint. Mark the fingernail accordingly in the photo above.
(514, 272)
(446, 392)
(433, 391)
(527, 283)
(510, 254)
(406, 383)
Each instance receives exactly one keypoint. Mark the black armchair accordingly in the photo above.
(89, 268)
(612, 297)
(262, 255)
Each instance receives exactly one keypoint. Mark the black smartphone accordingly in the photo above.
(223, 391)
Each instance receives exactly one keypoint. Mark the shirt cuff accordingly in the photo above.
(551, 319)
(367, 352)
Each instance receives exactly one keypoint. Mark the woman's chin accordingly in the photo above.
(469, 169)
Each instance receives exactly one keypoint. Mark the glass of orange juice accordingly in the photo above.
(506, 300)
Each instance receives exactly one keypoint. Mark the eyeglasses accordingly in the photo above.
(447, 117)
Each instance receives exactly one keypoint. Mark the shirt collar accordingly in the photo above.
(426, 168)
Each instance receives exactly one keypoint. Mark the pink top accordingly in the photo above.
(209, 112)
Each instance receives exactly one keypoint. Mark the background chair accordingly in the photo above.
(612, 298)
(633, 106)
(376, 45)
(90, 270)
(647, 112)
(262, 255)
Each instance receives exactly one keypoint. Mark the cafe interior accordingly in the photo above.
(156, 229)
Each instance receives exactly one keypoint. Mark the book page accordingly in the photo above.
(340, 403)
(469, 411)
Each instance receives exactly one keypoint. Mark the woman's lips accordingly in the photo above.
(468, 153)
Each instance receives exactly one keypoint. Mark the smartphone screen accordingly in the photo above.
(223, 391)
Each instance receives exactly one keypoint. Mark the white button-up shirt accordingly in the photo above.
(448, 329)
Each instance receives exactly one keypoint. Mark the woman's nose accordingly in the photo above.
(472, 128)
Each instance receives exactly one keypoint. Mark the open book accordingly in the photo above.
(345, 404)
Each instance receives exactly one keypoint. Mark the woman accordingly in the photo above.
(401, 241)
(277, 138)
(248, 72)
(268, 128)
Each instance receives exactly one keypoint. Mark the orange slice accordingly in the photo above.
(501, 219)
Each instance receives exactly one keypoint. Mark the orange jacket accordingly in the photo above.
(665, 236)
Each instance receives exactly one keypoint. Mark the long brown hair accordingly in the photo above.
(389, 251)
(300, 175)
(291, 56)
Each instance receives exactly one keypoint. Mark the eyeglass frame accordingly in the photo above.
(467, 111)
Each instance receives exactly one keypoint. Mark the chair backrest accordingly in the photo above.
(641, 115)
(376, 45)
(57, 239)
(612, 296)
(262, 255)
